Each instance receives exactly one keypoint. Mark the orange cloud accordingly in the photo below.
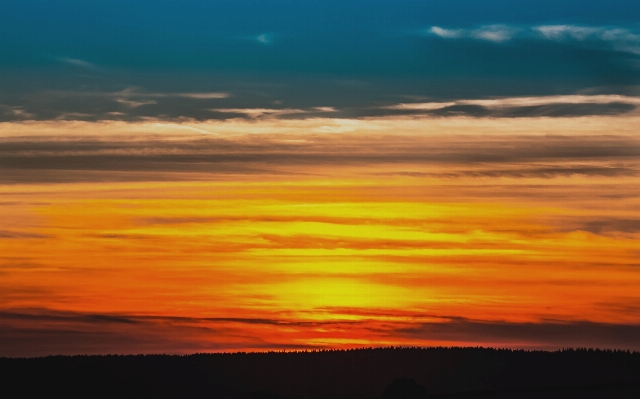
(377, 232)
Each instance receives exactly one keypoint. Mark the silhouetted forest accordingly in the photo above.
(335, 374)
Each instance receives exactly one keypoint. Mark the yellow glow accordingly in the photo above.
(301, 255)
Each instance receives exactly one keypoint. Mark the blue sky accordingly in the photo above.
(350, 55)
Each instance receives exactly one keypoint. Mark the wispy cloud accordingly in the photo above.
(542, 100)
(265, 38)
(620, 39)
(77, 62)
(259, 112)
(447, 33)
(200, 96)
(15, 112)
(559, 32)
(98, 105)
(134, 104)
(565, 105)
(495, 33)
(134, 92)
(492, 33)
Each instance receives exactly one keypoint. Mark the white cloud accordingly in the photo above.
(76, 62)
(623, 40)
(563, 32)
(620, 35)
(547, 100)
(619, 39)
(324, 109)
(494, 33)
(446, 33)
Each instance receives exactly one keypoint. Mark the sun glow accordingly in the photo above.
(305, 254)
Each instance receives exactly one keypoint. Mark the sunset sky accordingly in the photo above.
(252, 175)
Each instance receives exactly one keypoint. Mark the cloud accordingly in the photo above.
(494, 33)
(547, 100)
(491, 33)
(134, 104)
(130, 104)
(322, 97)
(77, 62)
(324, 109)
(447, 33)
(552, 106)
(200, 96)
(15, 113)
(560, 32)
(262, 38)
(616, 38)
(158, 151)
(20, 234)
(259, 112)
(133, 98)
(544, 335)
(420, 106)
(606, 226)
(620, 39)
(42, 316)
(35, 332)
(545, 172)
(41, 332)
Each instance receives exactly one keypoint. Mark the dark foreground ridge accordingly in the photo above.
(332, 374)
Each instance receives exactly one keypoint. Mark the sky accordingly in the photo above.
(249, 175)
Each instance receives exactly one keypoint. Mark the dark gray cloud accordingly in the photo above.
(550, 110)
(541, 172)
(546, 334)
(66, 316)
(38, 332)
(40, 159)
(46, 315)
(564, 110)
(603, 225)
(612, 225)
(20, 234)
(41, 332)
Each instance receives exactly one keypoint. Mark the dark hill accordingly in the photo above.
(333, 374)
